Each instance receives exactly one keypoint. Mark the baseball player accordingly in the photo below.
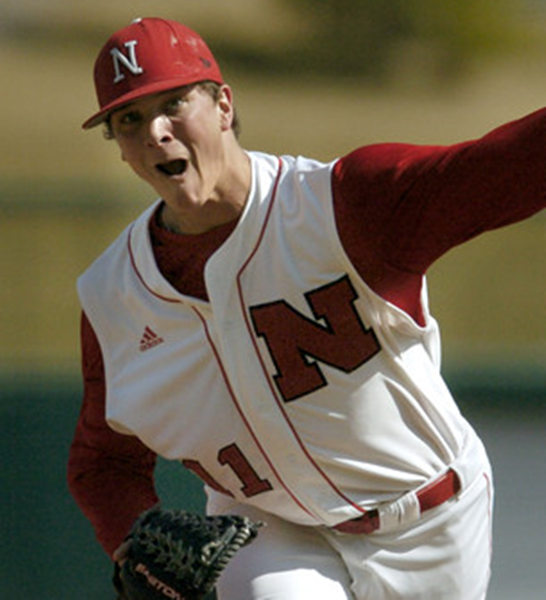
(266, 323)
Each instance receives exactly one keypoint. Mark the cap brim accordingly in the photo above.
(146, 90)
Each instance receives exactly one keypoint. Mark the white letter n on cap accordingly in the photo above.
(129, 61)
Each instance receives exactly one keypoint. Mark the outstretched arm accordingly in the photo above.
(399, 207)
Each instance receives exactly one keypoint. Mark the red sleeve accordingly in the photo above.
(400, 207)
(110, 475)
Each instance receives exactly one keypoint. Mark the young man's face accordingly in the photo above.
(174, 141)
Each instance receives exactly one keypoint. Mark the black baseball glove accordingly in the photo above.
(179, 555)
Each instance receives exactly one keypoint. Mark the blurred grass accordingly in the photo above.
(65, 194)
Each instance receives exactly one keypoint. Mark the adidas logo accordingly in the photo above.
(149, 339)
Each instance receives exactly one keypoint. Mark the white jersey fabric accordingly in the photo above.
(295, 388)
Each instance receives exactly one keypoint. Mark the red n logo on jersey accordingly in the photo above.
(340, 339)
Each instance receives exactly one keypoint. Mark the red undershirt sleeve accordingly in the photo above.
(110, 475)
(399, 207)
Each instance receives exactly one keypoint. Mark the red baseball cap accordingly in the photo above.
(149, 56)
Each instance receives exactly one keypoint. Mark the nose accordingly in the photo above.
(159, 130)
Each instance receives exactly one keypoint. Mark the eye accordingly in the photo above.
(129, 118)
(126, 121)
(174, 104)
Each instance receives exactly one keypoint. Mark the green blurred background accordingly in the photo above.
(310, 77)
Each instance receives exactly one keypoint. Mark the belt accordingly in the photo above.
(435, 493)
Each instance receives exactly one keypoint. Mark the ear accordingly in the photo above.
(225, 107)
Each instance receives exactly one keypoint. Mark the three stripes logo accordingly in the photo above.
(149, 340)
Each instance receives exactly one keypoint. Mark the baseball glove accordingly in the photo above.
(180, 555)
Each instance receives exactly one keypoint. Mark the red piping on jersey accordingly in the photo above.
(220, 365)
(139, 275)
(239, 410)
(272, 388)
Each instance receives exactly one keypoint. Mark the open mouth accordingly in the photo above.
(172, 167)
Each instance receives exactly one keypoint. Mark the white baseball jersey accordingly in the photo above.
(296, 388)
